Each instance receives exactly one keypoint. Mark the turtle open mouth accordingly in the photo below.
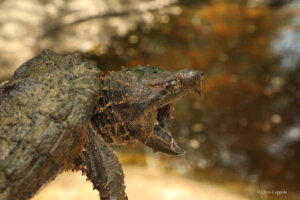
(161, 139)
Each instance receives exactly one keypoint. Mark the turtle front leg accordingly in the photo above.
(103, 168)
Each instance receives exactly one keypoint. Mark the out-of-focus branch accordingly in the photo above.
(138, 10)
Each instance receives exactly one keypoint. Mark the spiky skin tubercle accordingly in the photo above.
(59, 112)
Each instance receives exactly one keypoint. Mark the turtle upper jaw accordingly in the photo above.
(173, 87)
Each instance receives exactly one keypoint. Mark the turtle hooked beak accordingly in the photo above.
(180, 84)
(191, 81)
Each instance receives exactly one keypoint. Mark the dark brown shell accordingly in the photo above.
(44, 112)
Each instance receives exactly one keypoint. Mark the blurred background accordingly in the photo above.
(242, 136)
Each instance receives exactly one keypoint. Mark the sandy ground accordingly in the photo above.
(142, 184)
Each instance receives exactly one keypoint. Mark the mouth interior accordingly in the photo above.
(164, 116)
(161, 139)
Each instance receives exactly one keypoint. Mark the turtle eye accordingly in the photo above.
(173, 85)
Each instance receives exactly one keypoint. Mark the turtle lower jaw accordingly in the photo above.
(161, 139)
(164, 142)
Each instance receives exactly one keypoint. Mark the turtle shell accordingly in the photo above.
(44, 112)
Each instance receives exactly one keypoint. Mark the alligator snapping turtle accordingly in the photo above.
(59, 112)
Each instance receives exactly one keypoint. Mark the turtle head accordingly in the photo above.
(143, 99)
